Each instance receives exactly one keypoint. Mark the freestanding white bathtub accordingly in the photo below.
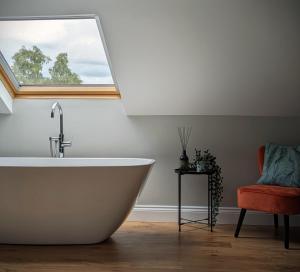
(69, 200)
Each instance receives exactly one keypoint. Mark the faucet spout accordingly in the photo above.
(61, 116)
(54, 106)
(61, 143)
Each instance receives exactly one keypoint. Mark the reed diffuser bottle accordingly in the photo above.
(184, 135)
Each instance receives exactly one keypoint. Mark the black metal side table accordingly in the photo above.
(182, 172)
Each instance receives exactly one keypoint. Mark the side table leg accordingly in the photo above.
(179, 202)
(211, 203)
(208, 201)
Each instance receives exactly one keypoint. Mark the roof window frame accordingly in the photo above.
(16, 90)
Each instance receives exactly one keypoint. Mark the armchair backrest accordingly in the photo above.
(260, 158)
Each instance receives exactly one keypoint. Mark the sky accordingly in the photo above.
(79, 38)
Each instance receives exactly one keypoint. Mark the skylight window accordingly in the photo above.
(48, 52)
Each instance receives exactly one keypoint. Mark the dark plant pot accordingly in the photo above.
(184, 160)
(201, 166)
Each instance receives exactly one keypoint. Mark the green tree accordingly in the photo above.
(28, 65)
(61, 73)
(28, 68)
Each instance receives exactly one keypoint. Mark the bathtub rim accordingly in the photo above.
(74, 162)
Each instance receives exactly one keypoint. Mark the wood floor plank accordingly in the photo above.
(138, 246)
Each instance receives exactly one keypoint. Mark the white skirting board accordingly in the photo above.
(227, 215)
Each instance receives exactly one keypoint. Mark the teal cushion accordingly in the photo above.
(281, 166)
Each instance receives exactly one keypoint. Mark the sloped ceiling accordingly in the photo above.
(5, 100)
(195, 57)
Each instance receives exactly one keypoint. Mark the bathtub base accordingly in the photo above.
(66, 205)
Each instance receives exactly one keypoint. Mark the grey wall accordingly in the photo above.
(100, 128)
(144, 37)
(210, 57)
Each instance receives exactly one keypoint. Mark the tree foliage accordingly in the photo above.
(28, 65)
(61, 73)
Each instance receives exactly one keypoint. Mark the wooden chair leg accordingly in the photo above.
(286, 232)
(240, 222)
(276, 221)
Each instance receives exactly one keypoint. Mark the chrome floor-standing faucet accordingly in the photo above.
(58, 144)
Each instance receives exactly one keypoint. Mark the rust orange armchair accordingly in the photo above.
(268, 198)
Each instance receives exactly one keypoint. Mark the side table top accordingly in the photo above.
(192, 172)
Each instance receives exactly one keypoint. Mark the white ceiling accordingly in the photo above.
(195, 57)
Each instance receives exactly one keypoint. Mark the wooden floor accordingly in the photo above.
(159, 247)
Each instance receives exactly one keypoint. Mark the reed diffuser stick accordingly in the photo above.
(184, 134)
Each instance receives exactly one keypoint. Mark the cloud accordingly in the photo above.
(91, 69)
(80, 39)
(84, 61)
(36, 31)
(97, 80)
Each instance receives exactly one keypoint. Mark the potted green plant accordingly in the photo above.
(205, 161)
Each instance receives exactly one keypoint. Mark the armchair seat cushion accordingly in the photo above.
(270, 198)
